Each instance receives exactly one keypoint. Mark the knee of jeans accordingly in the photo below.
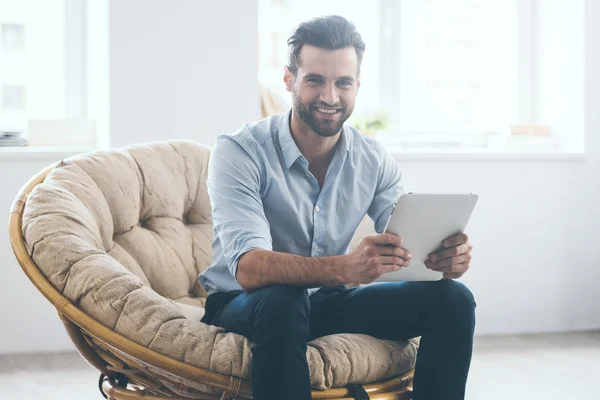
(458, 296)
(284, 303)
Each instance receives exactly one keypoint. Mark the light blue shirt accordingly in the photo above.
(264, 197)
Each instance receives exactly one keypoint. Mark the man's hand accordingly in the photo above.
(375, 256)
(454, 259)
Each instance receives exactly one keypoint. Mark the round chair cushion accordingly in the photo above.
(124, 233)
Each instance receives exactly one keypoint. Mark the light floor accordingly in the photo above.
(545, 367)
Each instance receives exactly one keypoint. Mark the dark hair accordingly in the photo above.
(331, 32)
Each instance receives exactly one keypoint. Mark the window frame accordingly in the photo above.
(76, 98)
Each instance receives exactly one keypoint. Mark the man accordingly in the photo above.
(287, 195)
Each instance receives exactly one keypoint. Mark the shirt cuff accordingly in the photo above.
(250, 244)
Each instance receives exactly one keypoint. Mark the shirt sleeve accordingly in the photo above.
(234, 182)
(389, 189)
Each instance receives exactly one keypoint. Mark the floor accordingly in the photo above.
(545, 367)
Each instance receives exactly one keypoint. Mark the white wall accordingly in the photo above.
(535, 230)
(536, 260)
(189, 64)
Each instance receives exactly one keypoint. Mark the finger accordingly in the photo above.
(387, 239)
(456, 240)
(388, 260)
(452, 261)
(392, 268)
(448, 253)
(394, 251)
(462, 268)
(452, 275)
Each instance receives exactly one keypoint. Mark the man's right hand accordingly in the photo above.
(375, 256)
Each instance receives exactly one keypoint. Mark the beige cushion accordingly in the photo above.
(123, 234)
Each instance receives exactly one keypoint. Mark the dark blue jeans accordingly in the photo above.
(281, 319)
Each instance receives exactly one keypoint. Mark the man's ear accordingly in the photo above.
(288, 79)
(357, 83)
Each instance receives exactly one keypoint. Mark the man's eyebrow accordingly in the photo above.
(313, 75)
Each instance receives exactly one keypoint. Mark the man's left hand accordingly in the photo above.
(454, 259)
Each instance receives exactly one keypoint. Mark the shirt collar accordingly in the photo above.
(290, 150)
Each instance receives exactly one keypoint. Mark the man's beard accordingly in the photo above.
(321, 128)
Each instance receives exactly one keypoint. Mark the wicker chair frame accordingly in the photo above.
(130, 371)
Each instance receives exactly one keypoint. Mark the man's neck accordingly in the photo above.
(317, 150)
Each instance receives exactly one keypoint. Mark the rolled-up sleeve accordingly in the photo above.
(389, 189)
(234, 187)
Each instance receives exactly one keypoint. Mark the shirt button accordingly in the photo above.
(317, 209)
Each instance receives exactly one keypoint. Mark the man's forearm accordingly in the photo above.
(259, 268)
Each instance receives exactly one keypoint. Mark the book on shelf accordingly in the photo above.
(12, 139)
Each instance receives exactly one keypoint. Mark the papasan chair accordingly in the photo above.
(115, 240)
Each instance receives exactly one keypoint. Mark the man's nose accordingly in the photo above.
(330, 95)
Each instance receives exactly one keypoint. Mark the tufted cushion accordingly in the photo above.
(123, 234)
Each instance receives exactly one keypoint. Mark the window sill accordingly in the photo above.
(57, 153)
(40, 153)
(480, 154)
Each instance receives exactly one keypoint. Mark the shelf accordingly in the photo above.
(43, 153)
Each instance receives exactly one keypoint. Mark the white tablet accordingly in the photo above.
(424, 221)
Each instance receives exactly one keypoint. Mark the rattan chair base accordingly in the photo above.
(134, 372)
(111, 390)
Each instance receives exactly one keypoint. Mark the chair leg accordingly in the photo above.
(100, 380)
(119, 380)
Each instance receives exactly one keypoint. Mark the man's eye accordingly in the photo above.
(314, 80)
(344, 83)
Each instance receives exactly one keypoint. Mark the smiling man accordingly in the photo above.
(287, 194)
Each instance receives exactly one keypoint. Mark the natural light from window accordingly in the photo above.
(48, 97)
(451, 75)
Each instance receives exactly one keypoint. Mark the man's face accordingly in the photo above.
(324, 88)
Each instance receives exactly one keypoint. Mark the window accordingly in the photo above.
(43, 74)
(475, 75)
